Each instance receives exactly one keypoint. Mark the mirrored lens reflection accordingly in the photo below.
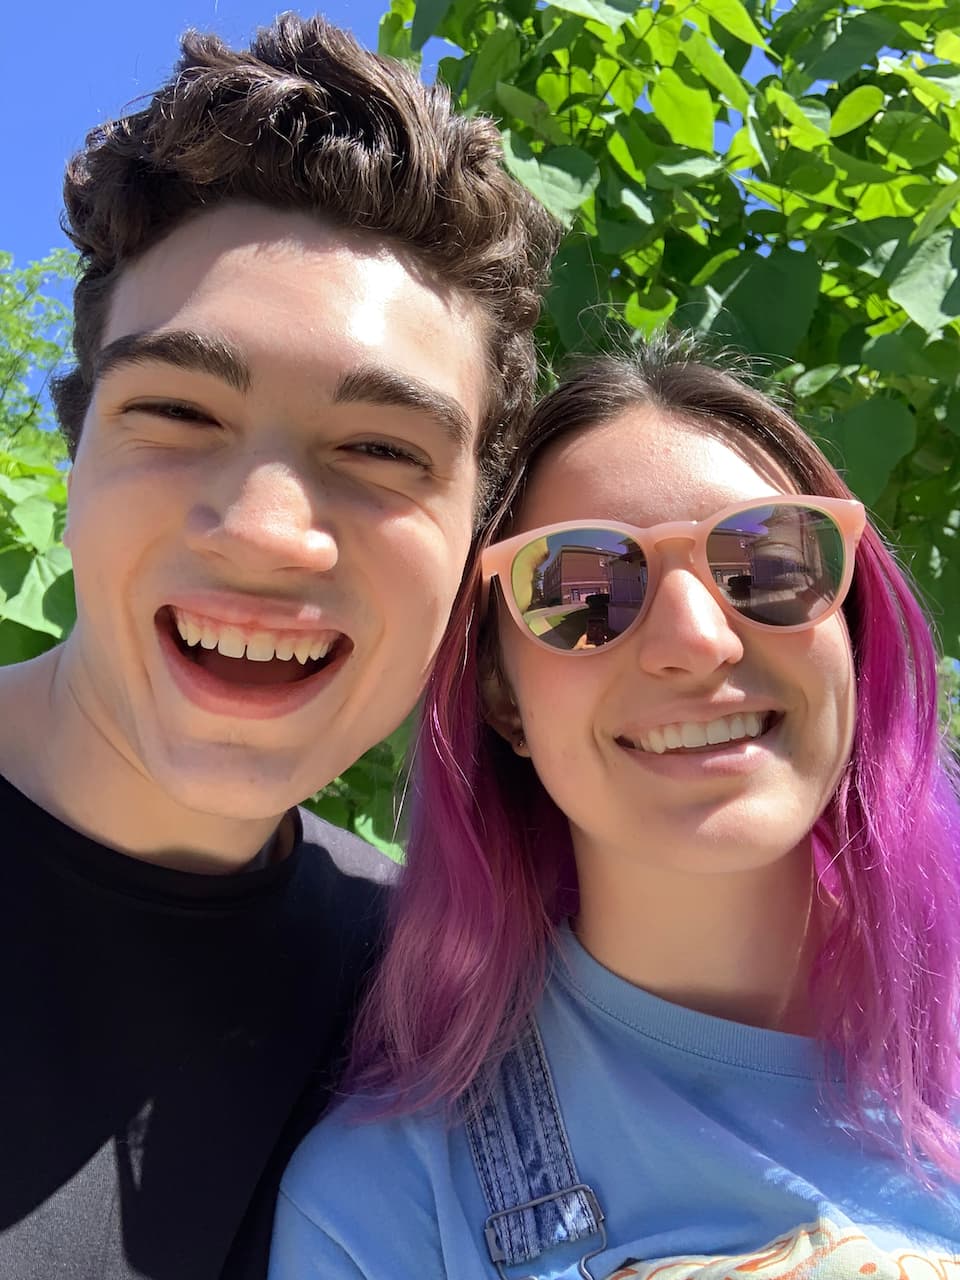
(579, 588)
(781, 565)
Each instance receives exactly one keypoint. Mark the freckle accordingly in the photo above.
(868, 1268)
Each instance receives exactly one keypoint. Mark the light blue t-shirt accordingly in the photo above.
(706, 1142)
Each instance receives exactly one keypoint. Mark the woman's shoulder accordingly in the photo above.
(361, 1194)
(349, 1142)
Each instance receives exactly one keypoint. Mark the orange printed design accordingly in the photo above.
(816, 1251)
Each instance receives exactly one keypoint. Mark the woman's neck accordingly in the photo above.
(737, 945)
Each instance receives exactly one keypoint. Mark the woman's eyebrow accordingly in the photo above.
(182, 348)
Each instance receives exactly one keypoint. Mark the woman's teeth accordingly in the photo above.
(689, 733)
(257, 646)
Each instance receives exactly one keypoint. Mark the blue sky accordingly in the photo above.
(68, 65)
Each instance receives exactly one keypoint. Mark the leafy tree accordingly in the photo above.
(788, 181)
(36, 582)
(950, 699)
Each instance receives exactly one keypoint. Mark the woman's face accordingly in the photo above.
(733, 806)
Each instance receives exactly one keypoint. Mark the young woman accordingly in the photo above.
(674, 981)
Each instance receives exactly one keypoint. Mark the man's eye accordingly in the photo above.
(173, 410)
(387, 451)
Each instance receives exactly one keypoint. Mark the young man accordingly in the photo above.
(303, 337)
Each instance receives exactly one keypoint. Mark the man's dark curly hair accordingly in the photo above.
(307, 120)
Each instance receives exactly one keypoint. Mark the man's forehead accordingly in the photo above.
(215, 255)
(289, 294)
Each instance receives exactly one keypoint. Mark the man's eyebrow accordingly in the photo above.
(373, 384)
(196, 352)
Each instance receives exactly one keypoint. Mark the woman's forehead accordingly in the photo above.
(645, 467)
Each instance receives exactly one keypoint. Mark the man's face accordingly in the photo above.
(271, 505)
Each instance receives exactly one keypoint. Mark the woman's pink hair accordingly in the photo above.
(490, 868)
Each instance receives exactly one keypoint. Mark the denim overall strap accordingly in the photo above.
(523, 1160)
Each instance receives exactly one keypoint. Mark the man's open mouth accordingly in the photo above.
(246, 656)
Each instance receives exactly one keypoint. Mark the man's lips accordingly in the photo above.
(241, 687)
(256, 613)
(256, 643)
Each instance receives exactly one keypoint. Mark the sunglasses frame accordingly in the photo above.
(496, 560)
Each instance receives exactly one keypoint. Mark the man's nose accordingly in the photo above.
(685, 631)
(263, 517)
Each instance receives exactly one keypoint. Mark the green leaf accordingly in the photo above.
(939, 209)
(683, 169)
(35, 518)
(753, 312)
(393, 38)
(859, 40)
(37, 605)
(647, 312)
(684, 108)
(759, 136)
(498, 58)
(375, 832)
(618, 236)
(333, 808)
(427, 17)
(573, 295)
(928, 286)
(947, 46)
(883, 242)
(632, 150)
(640, 208)
(561, 178)
(859, 106)
(733, 17)
(19, 644)
(15, 563)
(531, 111)
(741, 153)
(713, 265)
(900, 352)
(612, 13)
(912, 139)
(21, 488)
(931, 85)
(873, 437)
(814, 380)
(806, 132)
(712, 67)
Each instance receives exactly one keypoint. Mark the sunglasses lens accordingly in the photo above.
(781, 565)
(579, 588)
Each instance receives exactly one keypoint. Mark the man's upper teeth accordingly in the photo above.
(691, 733)
(258, 646)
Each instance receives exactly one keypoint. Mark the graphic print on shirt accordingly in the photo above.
(818, 1249)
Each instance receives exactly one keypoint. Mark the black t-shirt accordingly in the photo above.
(167, 1039)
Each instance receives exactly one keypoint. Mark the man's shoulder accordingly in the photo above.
(350, 855)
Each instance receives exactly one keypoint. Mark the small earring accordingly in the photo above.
(520, 742)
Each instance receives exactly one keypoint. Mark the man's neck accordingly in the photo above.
(55, 752)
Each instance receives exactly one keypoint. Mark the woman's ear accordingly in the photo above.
(500, 710)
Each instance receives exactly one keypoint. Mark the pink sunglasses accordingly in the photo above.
(783, 563)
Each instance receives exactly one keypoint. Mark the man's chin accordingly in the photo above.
(231, 783)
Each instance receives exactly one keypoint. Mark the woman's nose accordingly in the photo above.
(685, 631)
